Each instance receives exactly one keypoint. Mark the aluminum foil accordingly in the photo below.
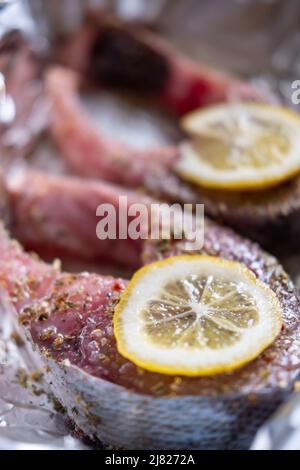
(259, 39)
(28, 413)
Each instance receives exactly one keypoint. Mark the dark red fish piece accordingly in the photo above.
(111, 54)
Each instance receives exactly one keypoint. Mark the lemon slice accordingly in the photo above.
(240, 146)
(195, 315)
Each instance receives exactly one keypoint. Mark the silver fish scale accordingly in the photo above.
(111, 414)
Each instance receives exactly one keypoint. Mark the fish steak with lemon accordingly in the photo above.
(243, 163)
(195, 352)
(241, 160)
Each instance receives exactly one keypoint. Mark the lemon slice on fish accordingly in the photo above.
(195, 315)
(240, 146)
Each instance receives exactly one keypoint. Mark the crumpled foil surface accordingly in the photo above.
(29, 418)
(256, 38)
